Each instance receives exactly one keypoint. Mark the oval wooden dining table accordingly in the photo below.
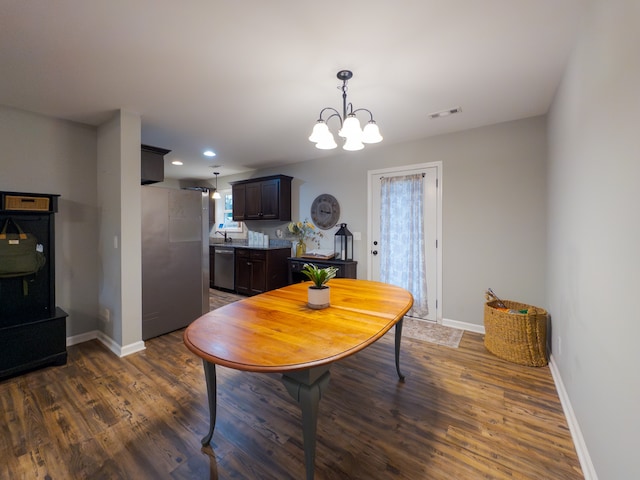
(276, 332)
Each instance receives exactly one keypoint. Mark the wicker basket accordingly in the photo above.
(21, 202)
(518, 337)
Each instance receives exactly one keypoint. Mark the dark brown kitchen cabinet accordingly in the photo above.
(152, 164)
(265, 198)
(260, 270)
(238, 195)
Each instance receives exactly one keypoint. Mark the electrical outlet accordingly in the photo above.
(357, 236)
(105, 314)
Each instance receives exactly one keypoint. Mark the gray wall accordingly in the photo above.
(494, 208)
(594, 228)
(42, 154)
(120, 244)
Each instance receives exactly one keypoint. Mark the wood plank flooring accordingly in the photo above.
(461, 414)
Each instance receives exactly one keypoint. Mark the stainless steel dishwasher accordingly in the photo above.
(224, 267)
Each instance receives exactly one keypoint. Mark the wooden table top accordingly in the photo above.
(277, 332)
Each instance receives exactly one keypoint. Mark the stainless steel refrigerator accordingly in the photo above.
(175, 259)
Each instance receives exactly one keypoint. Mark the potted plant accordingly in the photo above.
(318, 294)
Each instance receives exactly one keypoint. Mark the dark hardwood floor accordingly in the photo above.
(462, 414)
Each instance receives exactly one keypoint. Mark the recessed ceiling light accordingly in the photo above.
(209, 153)
(445, 113)
(177, 162)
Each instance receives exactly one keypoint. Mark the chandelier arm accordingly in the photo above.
(364, 110)
(349, 110)
(335, 112)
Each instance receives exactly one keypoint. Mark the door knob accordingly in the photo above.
(374, 252)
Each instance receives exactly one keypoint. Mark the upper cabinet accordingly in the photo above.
(152, 164)
(265, 198)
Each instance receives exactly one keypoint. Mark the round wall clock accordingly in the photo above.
(325, 211)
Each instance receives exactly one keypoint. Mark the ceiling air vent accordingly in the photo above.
(445, 113)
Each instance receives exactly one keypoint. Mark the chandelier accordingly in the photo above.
(354, 136)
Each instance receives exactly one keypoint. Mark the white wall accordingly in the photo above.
(494, 207)
(594, 227)
(45, 155)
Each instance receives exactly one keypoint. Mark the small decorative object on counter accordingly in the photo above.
(301, 248)
(304, 232)
(343, 243)
(318, 293)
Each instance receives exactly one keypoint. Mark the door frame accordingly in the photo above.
(371, 175)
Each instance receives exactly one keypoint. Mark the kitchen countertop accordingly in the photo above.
(244, 245)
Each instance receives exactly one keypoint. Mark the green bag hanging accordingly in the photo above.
(19, 252)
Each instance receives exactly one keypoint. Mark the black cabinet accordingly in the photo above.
(346, 269)
(152, 164)
(265, 198)
(32, 329)
(260, 270)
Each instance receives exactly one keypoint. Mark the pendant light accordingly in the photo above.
(216, 194)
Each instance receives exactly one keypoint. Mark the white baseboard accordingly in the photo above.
(586, 464)
(472, 327)
(107, 342)
(132, 348)
(83, 337)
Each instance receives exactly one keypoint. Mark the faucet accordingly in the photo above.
(223, 234)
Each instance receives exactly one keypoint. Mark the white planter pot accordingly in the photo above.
(318, 298)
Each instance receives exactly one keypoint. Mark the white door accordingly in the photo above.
(432, 214)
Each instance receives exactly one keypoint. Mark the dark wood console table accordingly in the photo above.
(346, 269)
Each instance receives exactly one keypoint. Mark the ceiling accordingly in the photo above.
(249, 78)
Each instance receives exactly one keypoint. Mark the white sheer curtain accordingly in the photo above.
(402, 257)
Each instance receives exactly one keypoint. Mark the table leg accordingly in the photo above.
(398, 339)
(306, 388)
(210, 377)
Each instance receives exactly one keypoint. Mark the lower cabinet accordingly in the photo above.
(260, 270)
(33, 344)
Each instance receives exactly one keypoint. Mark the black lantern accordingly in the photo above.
(343, 243)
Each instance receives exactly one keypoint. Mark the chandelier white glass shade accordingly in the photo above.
(354, 136)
